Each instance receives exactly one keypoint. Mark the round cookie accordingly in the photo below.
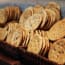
(3, 16)
(50, 20)
(35, 43)
(39, 9)
(13, 12)
(16, 35)
(53, 5)
(33, 22)
(57, 31)
(57, 52)
(3, 34)
(11, 26)
(25, 15)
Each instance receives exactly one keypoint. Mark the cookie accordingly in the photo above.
(26, 40)
(11, 26)
(57, 31)
(58, 13)
(33, 22)
(14, 38)
(15, 34)
(39, 9)
(35, 43)
(44, 19)
(53, 5)
(51, 19)
(57, 51)
(18, 12)
(3, 16)
(39, 47)
(25, 15)
(13, 12)
(45, 42)
(3, 34)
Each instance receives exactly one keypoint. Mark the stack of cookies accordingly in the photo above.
(39, 17)
(15, 34)
(38, 42)
(57, 48)
(9, 13)
(38, 29)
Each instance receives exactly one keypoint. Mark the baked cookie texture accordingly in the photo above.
(57, 51)
(3, 34)
(38, 43)
(57, 31)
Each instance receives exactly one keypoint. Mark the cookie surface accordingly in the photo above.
(3, 16)
(33, 22)
(45, 42)
(14, 38)
(35, 43)
(13, 12)
(57, 52)
(3, 34)
(11, 26)
(57, 31)
(39, 9)
(51, 19)
(25, 15)
(53, 5)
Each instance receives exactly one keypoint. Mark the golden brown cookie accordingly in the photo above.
(14, 38)
(58, 14)
(51, 19)
(45, 42)
(33, 22)
(35, 43)
(44, 19)
(38, 42)
(26, 40)
(57, 31)
(15, 34)
(11, 26)
(17, 12)
(3, 34)
(3, 16)
(25, 15)
(57, 51)
(53, 5)
(39, 9)
(13, 12)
